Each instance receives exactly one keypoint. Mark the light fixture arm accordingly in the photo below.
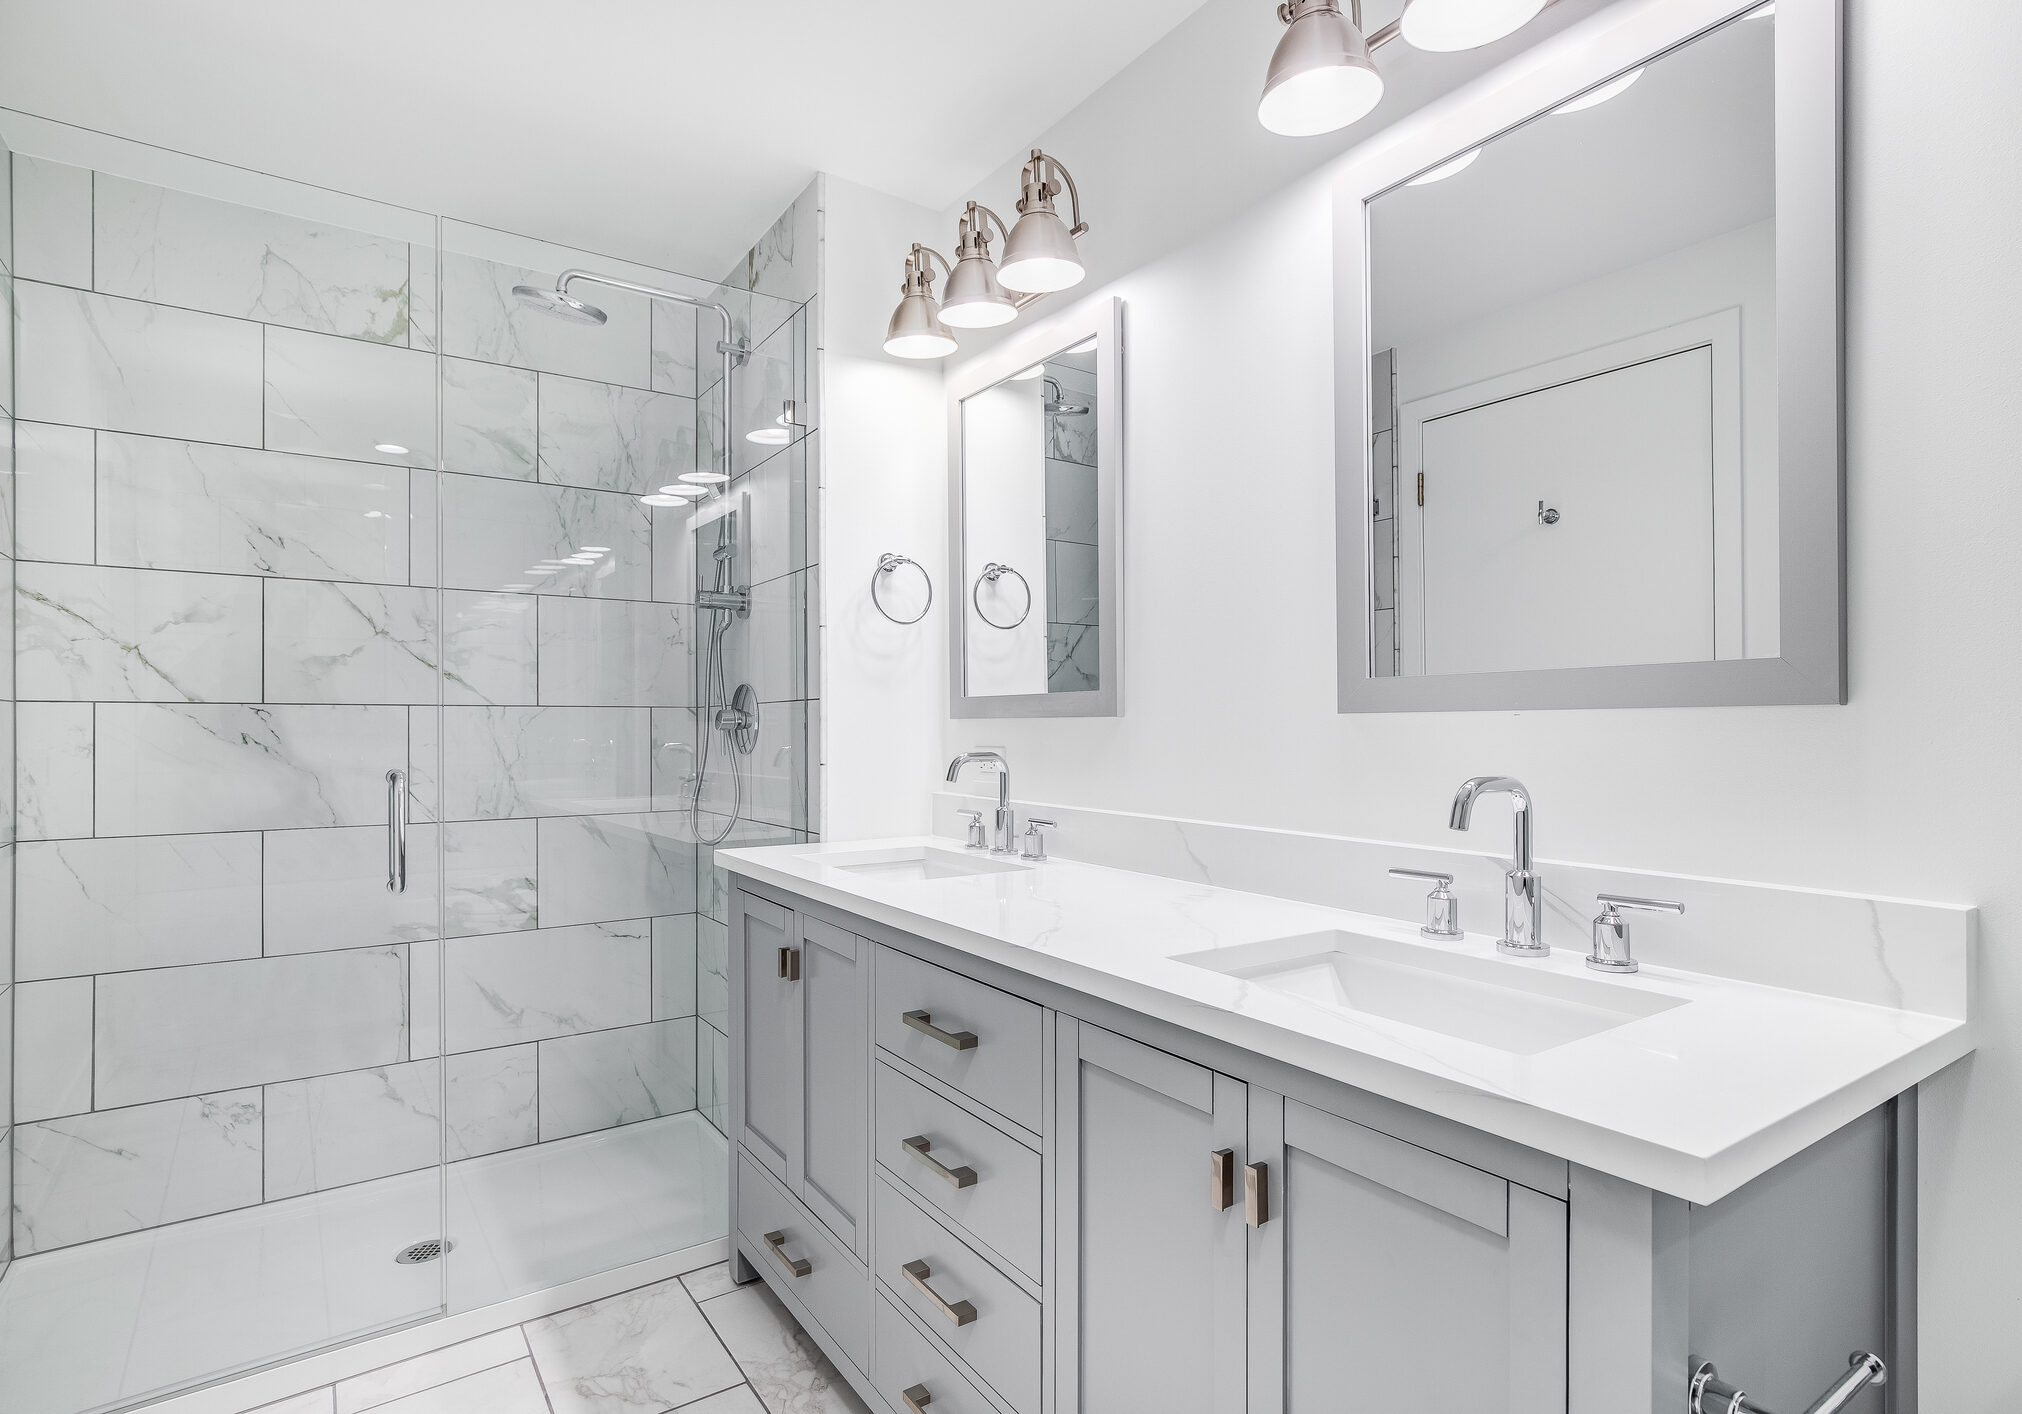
(917, 267)
(1036, 169)
(970, 222)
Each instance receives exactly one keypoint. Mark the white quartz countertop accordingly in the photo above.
(1694, 1100)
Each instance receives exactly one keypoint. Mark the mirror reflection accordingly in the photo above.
(1573, 384)
(1031, 588)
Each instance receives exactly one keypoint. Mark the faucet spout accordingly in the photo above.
(1523, 890)
(1001, 835)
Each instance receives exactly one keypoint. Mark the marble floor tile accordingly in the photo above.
(316, 1401)
(503, 1389)
(640, 1352)
(423, 1372)
(732, 1401)
(780, 1360)
(709, 1282)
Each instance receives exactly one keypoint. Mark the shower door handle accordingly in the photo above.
(396, 832)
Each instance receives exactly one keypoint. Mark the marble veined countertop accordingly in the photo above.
(1694, 1100)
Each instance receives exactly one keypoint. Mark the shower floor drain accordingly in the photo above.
(423, 1251)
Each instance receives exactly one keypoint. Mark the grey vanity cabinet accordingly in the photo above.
(1150, 1229)
(803, 1049)
(1411, 1278)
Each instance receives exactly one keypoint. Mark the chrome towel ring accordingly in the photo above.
(994, 572)
(888, 563)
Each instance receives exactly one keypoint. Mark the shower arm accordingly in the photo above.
(733, 352)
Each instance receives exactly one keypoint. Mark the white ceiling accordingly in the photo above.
(666, 131)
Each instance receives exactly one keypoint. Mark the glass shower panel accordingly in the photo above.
(570, 962)
(229, 1091)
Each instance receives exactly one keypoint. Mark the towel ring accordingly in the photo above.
(994, 572)
(887, 563)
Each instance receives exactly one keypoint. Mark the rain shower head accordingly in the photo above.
(1058, 406)
(558, 304)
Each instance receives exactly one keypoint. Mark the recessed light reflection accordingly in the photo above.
(392, 449)
(658, 499)
(538, 572)
(377, 515)
(1446, 169)
(511, 588)
(702, 478)
(1595, 97)
(1026, 374)
(581, 560)
(1085, 346)
(595, 550)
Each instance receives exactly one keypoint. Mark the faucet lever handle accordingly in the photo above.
(976, 837)
(1035, 842)
(1612, 952)
(1442, 909)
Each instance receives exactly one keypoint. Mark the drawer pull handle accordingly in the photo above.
(923, 1022)
(916, 1398)
(1256, 1194)
(1222, 1180)
(789, 964)
(775, 1243)
(917, 1147)
(960, 1312)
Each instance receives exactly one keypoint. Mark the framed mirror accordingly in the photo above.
(1035, 458)
(1589, 387)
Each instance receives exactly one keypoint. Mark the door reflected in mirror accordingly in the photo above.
(1574, 387)
(1030, 530)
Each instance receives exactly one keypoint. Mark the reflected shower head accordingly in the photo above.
(1057, 406)
(558, 304)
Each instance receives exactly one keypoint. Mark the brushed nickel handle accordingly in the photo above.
(917, 1272)
(1256, 1194)
(789, 964)
(917, 1147)
(916, 1398)
(1222, 1180)
(775, 1243)
(923, 1022)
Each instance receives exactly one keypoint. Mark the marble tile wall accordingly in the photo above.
(297, 505)
(1073, 601)
(8, 498)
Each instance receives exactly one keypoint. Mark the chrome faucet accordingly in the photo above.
(1000, 836)
(1523, 891)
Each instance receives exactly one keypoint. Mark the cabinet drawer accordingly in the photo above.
(1000, 1067)
(996, 1200)
(908, 1361)
(832, 1286)
(1000, 1341)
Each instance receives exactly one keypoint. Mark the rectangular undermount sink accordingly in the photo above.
(1511, 1005)
(917, 862)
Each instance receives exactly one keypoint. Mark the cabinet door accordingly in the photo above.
(835, 1147)
(1411, 1279)
(1152, 1303)
(770, 1046)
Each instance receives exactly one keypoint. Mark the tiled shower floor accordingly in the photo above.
(107, 1322)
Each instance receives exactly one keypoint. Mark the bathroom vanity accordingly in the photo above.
(1051, 1138)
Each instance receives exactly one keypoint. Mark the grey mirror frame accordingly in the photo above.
(1810, 369)
(1102, 320)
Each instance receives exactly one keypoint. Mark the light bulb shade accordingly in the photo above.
(972, 298)
(1446, 25)
(1321, 77)
(916, 330)
(1039, 254)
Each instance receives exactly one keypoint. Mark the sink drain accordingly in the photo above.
(426, 1251)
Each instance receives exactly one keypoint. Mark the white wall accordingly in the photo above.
(1912, 789)
(1004, 522)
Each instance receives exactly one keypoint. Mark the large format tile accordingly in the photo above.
(52, 1048)
(679, 331)
(93, 361)
(368, 643)
(482, 320)
(160, 767)
(346, 398)
(330, 1130)
(52, 221)
(316, 1401)
(712, 1076)
(770, 648)
(614, 438)
(674, 966)
(93, 633)
(779, 530)
(500, 530)
(437, 1367)
(1071, 502)
(156, 244)
(112, 905)
(640, 1352)
(490, 423)
(95, 1175)
(190, 1030)
(493, 1099)
(599, 867)
(784, 1366)
(602, 1079)
(489, 868)
(501, 762)
(52, 769)
(619, 653)
(514, 987)
(53, 492)
(326, 889)
(504, 1389)
(712, 972)
(165, 504)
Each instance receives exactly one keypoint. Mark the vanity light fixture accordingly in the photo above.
(1039, 258)
(1321, 76)
(1595, 97)
(1446, 169)
(1444, 26)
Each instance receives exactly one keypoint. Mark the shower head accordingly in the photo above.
(558, 304)
(1057, 406)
